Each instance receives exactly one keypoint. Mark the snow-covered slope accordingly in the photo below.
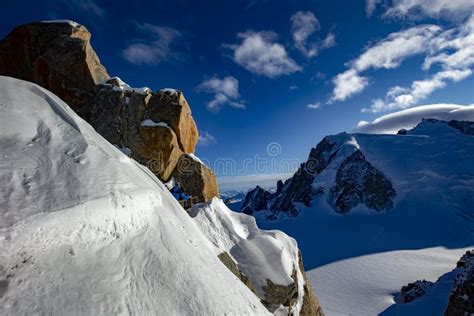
(86, 230)
(270, 259)
(360, 257)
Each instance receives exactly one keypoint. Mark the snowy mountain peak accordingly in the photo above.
(348, 171)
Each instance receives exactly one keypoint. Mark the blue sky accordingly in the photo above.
(290, 72)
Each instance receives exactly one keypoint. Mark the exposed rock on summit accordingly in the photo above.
(156, 129)
(356, 181)
(58, 57)
(415, 290)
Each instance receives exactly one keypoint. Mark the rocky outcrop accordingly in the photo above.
(465, 127)
(195, 178)
(415, 290)
(461, 300)
(58, 57)
(311, 304)
(255, 200)
(296, 189)
(358, 181)
(156, 129)
(171, 107)
(227, 260)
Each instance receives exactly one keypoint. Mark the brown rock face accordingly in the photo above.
(196, 178)
(160, 151)
(59, 57)
(171, 107)
(311, 304)
(276, 294)
(227, 260)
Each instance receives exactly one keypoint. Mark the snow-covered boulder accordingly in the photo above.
(85, 230)
(270, 259)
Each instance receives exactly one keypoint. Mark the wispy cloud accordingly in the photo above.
(293, 88)
(156, 49)
(303, 26)
(453, 51)
(226, 92)
(402, 98)
(259, 53)
(370, 6)
(206, 139)
(388, 53)
(415, 9)
(87, 6)
(314, 106)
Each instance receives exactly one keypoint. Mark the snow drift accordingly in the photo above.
(86, 230)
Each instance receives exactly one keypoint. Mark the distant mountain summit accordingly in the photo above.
(362, 171)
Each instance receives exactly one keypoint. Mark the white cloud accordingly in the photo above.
(292, 88)
(314, 106)
(388, 53)
(453, 50)
(155, 52)
(226, 92)
(303, 26)
(370, 6)
(414, 9)
(402, 98)
(206, 139)
(260, 54)
(409, 118)
(347, 84)
(88, 6)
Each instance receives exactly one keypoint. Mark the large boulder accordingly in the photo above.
(156, 129)
(195, 178)
(159, 150)
(170, 106)
(57, 56)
